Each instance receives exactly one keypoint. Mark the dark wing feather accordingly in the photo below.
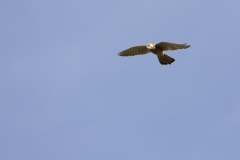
(166, 46)
(133, 51)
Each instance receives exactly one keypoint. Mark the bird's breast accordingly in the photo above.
(157, 51)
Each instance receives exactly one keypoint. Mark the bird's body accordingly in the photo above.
(157, 49)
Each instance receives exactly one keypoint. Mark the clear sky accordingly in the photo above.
(65, 94)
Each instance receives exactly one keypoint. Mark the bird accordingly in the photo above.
(157, 49)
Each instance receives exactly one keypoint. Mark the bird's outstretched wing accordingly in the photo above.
(166, 46)
(133, 51)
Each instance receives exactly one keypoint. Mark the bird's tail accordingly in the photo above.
(165, 59)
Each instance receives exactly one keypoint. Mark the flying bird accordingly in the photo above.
(157, 49)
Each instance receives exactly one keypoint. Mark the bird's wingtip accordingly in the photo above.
(187, 45)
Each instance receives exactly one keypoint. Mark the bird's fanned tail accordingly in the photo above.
(165, 59)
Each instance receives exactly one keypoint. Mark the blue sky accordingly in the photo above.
(65, 94)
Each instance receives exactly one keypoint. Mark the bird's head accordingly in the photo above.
(150, 46)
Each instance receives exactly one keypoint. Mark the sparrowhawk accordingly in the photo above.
(157, 49)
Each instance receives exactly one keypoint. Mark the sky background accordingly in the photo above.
(65, 94)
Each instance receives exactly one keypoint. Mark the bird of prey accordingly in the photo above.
(157, 49)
